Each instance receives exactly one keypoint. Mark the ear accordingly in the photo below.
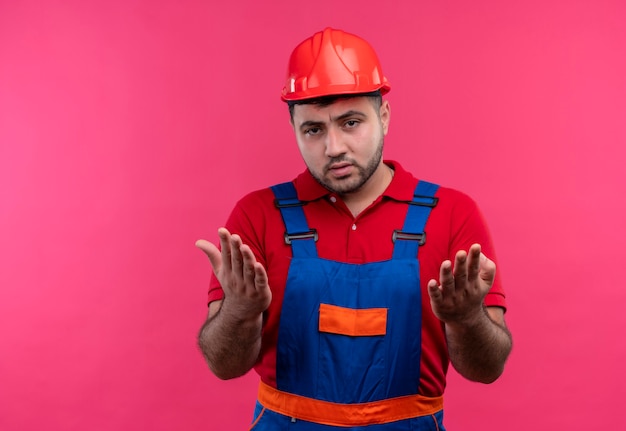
(385, 115)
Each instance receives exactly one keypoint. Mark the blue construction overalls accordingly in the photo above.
(349, 339)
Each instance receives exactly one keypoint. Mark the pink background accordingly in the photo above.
(128, 129)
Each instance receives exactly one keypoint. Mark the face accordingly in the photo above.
(342, 143)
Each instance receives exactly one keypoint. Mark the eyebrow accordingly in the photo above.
(347, 114)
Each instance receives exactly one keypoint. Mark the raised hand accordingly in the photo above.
(459, 294)
(243, 279)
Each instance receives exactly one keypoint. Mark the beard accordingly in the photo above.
(348, 185)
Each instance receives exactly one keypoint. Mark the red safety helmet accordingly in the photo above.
(333, 62)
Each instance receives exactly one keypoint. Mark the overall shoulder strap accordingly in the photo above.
(297, 234)
(412, 235)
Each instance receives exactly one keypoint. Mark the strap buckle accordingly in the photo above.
(288, 203)
(409, 236)
(424, 201)
(300, 235)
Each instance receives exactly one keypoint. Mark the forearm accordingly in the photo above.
(479, 348)
(230, 345)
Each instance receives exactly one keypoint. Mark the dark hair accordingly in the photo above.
(375, 97)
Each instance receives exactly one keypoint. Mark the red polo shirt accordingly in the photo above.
(454, 224)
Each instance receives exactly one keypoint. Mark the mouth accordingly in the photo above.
(339, 170)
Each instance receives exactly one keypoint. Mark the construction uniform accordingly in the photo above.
(350, 341)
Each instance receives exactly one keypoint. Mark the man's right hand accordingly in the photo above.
(243, 279)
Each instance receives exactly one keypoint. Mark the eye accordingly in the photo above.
(311, 131)
(351, 124)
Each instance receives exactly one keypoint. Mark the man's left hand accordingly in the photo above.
(458, 297)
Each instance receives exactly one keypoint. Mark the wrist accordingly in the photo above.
(240, 316)
(469, 320)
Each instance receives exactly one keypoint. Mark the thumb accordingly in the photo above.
(212, 252)
(487, 269)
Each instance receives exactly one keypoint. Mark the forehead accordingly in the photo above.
(328, 112)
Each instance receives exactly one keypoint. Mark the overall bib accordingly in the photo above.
(349, 339)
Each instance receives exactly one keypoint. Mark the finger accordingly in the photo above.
(261, 284)
(249, 260)
(487, 269)
(460, 269)
(261, 281)
(235, 255)
(213, 253)
(224, 236)
(446, 278)
(434, 291)
(473, 264)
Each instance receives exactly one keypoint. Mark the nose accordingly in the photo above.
(335, 146)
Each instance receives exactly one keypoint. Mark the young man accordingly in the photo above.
(339, 287)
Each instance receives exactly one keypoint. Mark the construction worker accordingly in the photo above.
(351, 288)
